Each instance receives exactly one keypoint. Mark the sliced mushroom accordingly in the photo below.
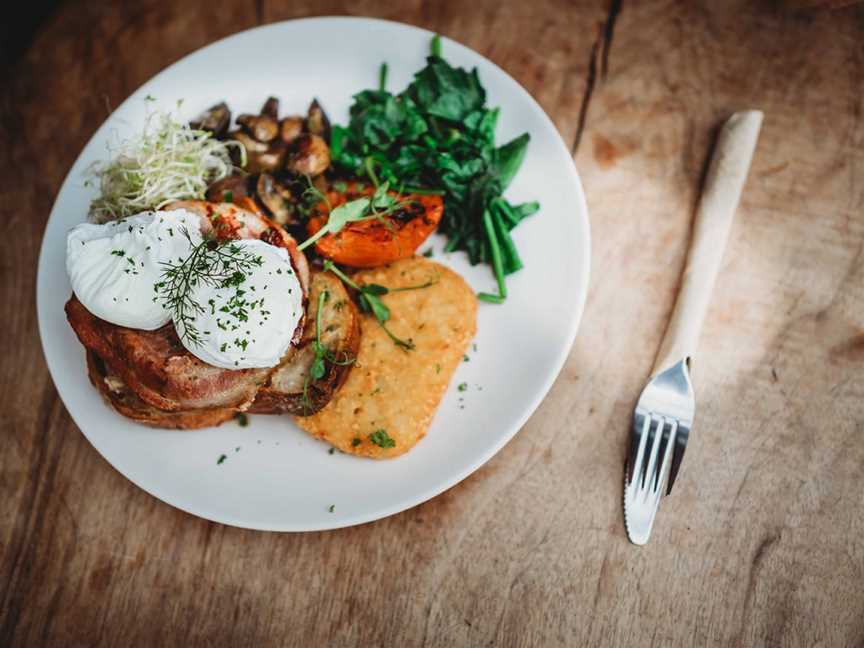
(261, 127)
(215, 120)
(272, 160)
(290, 128)
(317, 122)
(309, 155)
(276, 198)
(271, 108)
(228, 189)
(259, 156)
(249, 143)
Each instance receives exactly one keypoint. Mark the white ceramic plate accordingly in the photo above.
(275, 476)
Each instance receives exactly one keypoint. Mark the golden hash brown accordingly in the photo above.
(392, 389)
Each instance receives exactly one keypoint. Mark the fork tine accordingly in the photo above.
(654, 436)
(637, 447)
(677, 454)
(663, 454)
(663, 473)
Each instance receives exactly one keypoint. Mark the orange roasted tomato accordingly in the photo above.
(375, 242)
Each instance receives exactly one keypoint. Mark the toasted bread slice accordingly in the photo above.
(387, 403)
(118, 395)
(340, 335)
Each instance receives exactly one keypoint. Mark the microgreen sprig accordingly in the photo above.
(169, 160)
(350, 212)
(354, 211)
(369, 298)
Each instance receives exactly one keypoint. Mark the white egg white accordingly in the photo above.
(249, 323)
(113, 266)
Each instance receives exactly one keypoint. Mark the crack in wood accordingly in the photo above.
(586, 96)
(598, 58)
(608, 35)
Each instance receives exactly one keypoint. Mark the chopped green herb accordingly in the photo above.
(377, 390)
(225, 265)
(118, 253)
(228, 196)
(382, 439)
(429, 253)
(221, 459)
(465, 358)
(242, 419)
(331, 508)
(331, 451)
(462, 387)
(355, 442)
(437, 368)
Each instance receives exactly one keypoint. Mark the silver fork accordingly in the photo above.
(661, 426)
(665, 410)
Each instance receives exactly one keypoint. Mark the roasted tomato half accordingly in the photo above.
(376, 242)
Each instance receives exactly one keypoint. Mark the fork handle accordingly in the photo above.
(720, 195)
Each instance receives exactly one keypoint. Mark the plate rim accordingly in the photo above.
(581, 286)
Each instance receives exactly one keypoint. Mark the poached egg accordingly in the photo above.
(248, 321)
(113, 266)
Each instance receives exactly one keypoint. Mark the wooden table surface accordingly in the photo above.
(761, 544)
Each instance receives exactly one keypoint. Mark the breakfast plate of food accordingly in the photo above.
(292, 292)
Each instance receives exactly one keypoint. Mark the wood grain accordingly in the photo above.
(761, 544)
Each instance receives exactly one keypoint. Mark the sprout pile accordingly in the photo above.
(169, 161)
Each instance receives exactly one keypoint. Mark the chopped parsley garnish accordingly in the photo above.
(382, 439)
(242, 420)
(118, 253)
(208, 263)
(331, 508)
(462, 387)
(221, 459)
